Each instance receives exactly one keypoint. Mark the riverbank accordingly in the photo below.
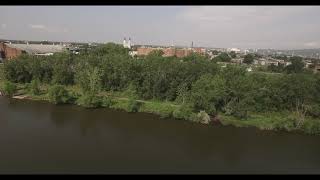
(283, 121)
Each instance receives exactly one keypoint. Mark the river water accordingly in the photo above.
(38, 137)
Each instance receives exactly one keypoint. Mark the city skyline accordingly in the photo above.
(275, 27)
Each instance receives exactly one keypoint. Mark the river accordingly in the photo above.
(38, 137)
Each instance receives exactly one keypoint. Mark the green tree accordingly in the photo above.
(9, 88)
(58, 94)
(296, 65)
(34, 87)
(223, 57)
(209, 93)
(248, 59)
(89, 79)
(90, 101)
(233, 54)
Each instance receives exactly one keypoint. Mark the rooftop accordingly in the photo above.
(37, 48)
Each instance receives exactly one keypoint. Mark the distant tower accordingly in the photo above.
(124, 42)
(129, 43)
(192, 44)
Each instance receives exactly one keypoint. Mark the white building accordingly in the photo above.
(236, 50)
(127, 44)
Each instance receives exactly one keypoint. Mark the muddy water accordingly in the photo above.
(37, 137)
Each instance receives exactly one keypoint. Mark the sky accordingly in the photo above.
(276, 27)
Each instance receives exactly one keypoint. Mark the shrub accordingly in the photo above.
(58, 94)
(183, 112)
(314, 110)
(203, 117)
(311, 127)
(9, 89)
(107, 102)
(133, 105)
(73, 97)
(284, 123)
(89, 101)
(236, 109)
(34, 87)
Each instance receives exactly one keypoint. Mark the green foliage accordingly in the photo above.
(248, 59)
(203, 117)
(107, 102)
(89, 79)
(9, 89)
(90, 101)
(194, 82)
(58, 94)
(233, 54)
(34, 87)
(130, 92)
(155, 53)
(134, 105)
(209, 93)
(312, 127)
(184, 112)
(296, 65)
(16, 70)
(223, 57)
(63, 72)
(277, 69)
(182, 93)
(238, 109)
(2, 75)
(314, 110)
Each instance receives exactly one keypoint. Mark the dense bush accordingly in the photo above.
(90, 101)
(134, 105)
(312, 127)
(107, 102)
(9, 89)
(203, 117)
(58, 94)
(185, 111)
(34, 87)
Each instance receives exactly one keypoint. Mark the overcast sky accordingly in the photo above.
(281, 27)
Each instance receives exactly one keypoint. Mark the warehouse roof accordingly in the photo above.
(37, 48)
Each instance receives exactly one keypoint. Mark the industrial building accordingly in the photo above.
(10, 50)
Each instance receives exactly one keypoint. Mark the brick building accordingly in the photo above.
(168, 52)
(7, 52)
(143, 51)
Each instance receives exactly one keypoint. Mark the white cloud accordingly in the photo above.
(48, 29)
(250, 26)
(37, 26)
(311, 44)
(207, 14)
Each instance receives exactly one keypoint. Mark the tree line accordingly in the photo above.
(195, 82)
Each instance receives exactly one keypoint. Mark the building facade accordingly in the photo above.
(10, 50)
(7, 52)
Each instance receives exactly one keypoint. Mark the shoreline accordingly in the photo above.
(260, 121)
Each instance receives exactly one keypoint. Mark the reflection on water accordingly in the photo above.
(40, 137)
